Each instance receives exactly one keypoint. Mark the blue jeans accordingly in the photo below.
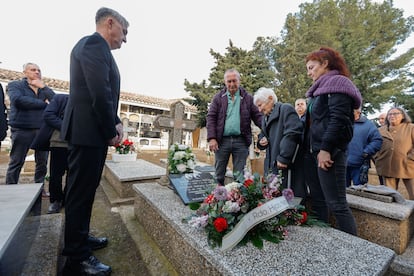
(352, 175)
(328, 191)
(237, 148)
(21, 141)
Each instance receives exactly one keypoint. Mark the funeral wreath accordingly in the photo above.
(238, 203)
(181, 159)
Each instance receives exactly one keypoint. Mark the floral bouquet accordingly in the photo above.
(181, 159)
(226, 206)
(125, 147)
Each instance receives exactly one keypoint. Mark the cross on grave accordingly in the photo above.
(175, 123)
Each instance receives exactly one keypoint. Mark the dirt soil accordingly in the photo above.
(121, 252)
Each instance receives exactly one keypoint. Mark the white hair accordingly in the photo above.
(263, 95)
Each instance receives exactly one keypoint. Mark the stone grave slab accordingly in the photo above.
(388, 224)
(20, 219)
(192, 187)
(306, 250)
(121, 175)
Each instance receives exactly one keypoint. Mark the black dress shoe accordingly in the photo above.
(54, 207)
(90, 266)
(96, 243)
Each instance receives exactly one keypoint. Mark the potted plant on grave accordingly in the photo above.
(181, 159)
(124, 151)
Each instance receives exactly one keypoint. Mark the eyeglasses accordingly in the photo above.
(394, 113)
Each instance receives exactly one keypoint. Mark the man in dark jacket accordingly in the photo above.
(229, 125)
(366, 142)
(48, 138)
(28, 99)
(89, 125)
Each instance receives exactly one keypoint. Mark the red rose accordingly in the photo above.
(248, 182)
(220, 224)
(304, 217)
(209, 199)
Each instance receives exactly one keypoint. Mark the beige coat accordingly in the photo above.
(396, 156)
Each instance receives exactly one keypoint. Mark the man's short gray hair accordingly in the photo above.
(231, 71)
(103, 13)
(29, 64)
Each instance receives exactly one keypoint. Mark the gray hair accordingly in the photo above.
(231, 71)
(29, 64)
(406, 117)
(104, 13)
(263, 95)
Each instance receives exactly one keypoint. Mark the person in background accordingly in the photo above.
(395, 159)
(300, 107)
(229, 125)
(47, 139)
(365, 143)
(3, 116)
(28, 99)
(381, 119)
(329, 127)
(90, 125)
(281, 136)
(53, 116)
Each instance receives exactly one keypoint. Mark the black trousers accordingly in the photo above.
(85, 170)
(58, 167)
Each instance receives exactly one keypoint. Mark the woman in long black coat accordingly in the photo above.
(281, 137)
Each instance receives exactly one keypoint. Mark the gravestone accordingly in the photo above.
(175, 123)
(305, 251)
(193, 187)
(121, 175)
(389, 224)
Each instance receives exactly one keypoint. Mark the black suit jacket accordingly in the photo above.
(91, 112)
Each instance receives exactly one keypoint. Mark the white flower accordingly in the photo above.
(182, 147)
(232, 185)
(181, 168)
(231, 207)
(190, 164)
(179, 155)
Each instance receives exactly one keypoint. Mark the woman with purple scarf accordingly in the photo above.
(329, 128)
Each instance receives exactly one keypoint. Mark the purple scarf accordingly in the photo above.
(332, 82)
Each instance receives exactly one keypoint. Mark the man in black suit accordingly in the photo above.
(90, 124)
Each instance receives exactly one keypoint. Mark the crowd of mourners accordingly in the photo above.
(322, 145)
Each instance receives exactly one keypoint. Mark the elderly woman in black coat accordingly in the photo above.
(281, 137)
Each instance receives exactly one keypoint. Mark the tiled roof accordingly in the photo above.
(61, 85)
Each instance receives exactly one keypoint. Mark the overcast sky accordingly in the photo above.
(168, 40)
